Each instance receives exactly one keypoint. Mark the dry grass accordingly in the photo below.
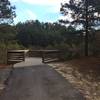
(84, 74)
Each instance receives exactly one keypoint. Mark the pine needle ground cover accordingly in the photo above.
(84, 74)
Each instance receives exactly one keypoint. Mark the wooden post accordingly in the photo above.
(24, 56)
(43, 56)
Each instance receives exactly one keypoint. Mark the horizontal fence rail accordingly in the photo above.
(50, 56)
(15, 56)
(47, 55)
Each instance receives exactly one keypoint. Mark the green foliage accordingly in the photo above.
(84, 13)
(3, 53)
(14, 46)
(7, 32)
(67, 51)
(3, 50)
(7, 12)
(34, 33)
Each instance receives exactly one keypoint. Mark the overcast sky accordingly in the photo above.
(43, 10)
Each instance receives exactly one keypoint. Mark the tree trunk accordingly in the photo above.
(86, 29)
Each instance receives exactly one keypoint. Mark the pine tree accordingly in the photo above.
(85, 13)
(7, 12)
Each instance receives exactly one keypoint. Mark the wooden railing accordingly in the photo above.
(47, 55)
(15, 56)
(50, 56)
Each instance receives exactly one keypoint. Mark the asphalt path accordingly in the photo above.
(39, 82)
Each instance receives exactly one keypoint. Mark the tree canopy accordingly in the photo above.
(84, 13)
(34, 33)
(39, 34)
(7, 12)
(78, 9)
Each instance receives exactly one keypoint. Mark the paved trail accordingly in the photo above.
(39, 82)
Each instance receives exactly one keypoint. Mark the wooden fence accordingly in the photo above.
(15, 56)
(46, 55)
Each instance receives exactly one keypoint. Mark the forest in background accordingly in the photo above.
(33, 34)
(36, 34)
(62, 35)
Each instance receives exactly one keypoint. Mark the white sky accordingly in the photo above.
(41, 2)
(32, 10)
